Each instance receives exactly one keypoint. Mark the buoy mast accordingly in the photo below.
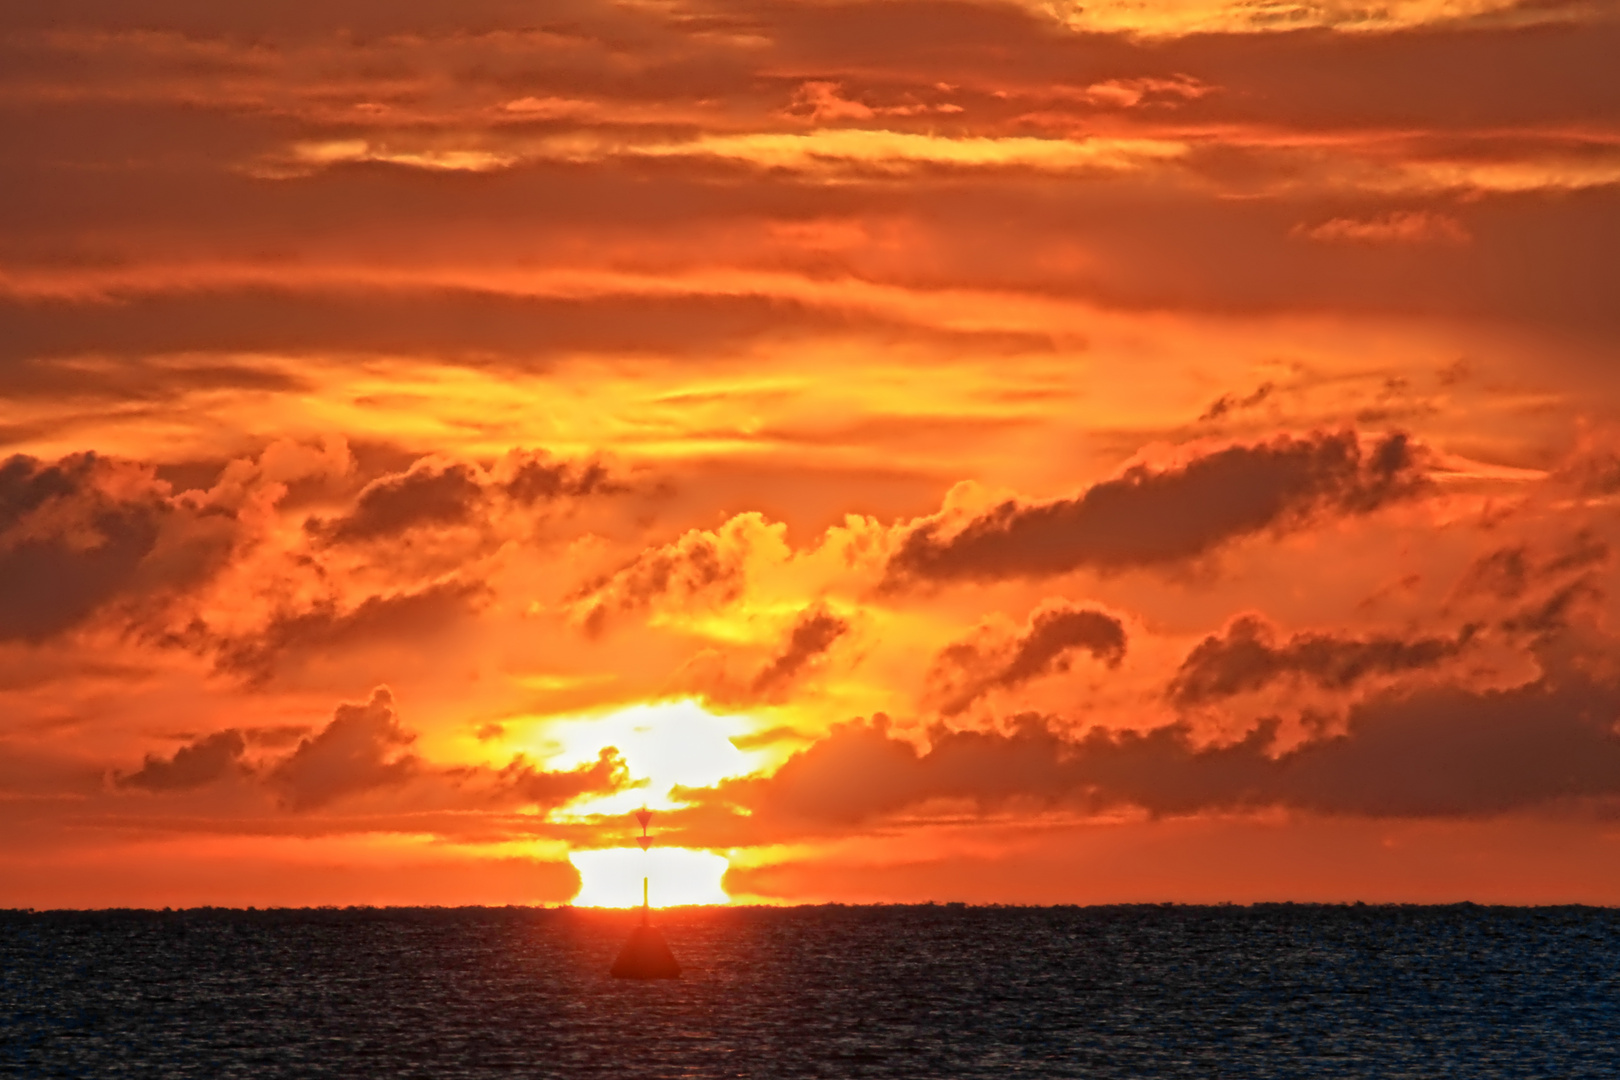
(646, 955)
(644, 816)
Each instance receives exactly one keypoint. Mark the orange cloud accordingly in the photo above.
(1130, 93)
(1408, 227)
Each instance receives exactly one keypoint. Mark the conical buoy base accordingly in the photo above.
(645, 956)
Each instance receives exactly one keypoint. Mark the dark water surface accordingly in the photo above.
(1280, 990)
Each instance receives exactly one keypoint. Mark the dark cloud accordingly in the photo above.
(699, 566)
(361, 749)
(455, 324)
(276, 736)
(193, 765)
(294, 635)
(26, 483)
(520, 782)
(1508, 573)
(1453, 96)
(968, 670)
(1248, 657)
(1229, 403)
(528, 478)
(1583, 550)
(431, 493)
(812, 635)
(1551, 615)
(682, 50)
(1595, 473)
(264, 18)
(79, 535)
(1546, 585)
(1146, 517)
(439, 492)
(137, 380)
(1443, 752)
(1504, 574)
(365, 751)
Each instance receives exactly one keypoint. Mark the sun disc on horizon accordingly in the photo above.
(611, 877)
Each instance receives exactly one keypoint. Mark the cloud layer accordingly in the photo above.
(1180, 420)
(1434, 754)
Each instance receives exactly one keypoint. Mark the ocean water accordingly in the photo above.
(892, 991)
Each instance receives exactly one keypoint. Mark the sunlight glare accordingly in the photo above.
(664, 744)
(611, 877)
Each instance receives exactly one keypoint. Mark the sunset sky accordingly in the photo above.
(991, 450)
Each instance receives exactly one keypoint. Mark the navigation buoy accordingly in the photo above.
(646, 955)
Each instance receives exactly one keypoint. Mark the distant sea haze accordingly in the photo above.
(892, 991)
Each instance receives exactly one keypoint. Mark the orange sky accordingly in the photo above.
(984, 450)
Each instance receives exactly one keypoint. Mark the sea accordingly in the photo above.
(1273, 990)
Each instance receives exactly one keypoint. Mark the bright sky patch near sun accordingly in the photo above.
(1002, 451)
(664, 745)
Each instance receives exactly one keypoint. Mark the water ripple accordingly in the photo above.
(948, 991)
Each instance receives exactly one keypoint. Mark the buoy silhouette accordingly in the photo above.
(646, 955)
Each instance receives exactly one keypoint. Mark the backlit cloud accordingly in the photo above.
(1248, 657)
(1153, 516)
(966, 671)
(363, 747)
(700, 569)
(193, 765)
(324, 626)
(1438, 753)
(812, 635)
(85, 533)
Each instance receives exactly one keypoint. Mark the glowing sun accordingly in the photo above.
(664, 745)
(611, 877)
